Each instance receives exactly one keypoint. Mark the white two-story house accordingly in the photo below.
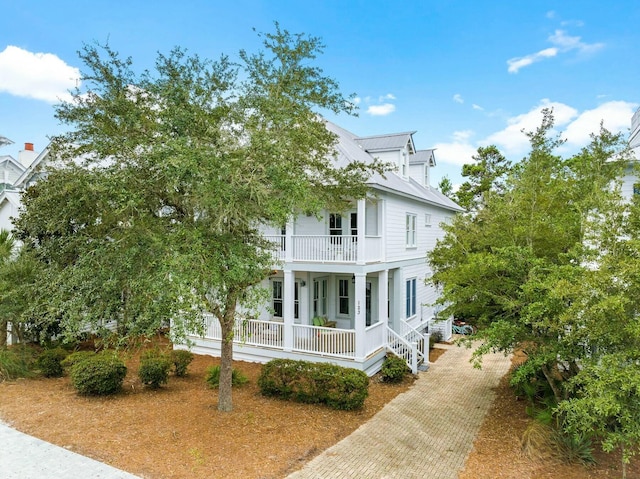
(350, 286)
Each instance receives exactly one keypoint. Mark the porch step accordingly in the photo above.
(423, 367)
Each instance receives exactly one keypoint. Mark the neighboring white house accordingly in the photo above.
(630, 185)
(351, 286)
(16, 175)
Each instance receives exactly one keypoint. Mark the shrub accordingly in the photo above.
(434, 338)
(181, 358)
(393, 369)
(75, 358)
(213, 377)
(154, 369)
(98, 375)
(49, 362)
(303, 381)
(15, 363)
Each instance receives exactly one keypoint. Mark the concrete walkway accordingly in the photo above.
(426, 432)
(25, 457)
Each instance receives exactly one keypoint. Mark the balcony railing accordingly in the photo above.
(327, 248)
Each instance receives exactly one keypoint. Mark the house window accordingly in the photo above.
(411, 230)
(411, 298)
(277, 297)
(343, 296)
(426, 175)
(320, 297)
(354, 224)
(335, 228)
(296, 300)
(427, 220)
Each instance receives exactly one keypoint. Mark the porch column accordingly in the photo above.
(287, 311)
(383, 297)
(361, 231)
(288, 241)
(360, 318)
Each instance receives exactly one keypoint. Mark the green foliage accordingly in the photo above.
(213, 377)
(486, 176)
(76, 357)
(15, 362)
(307, 382)
(394, 369)
(445, 186)
(98, 375)
(201, 154)
(154, 368)
(434, 337)
(181, 358)
(573, 448)
(49, 362)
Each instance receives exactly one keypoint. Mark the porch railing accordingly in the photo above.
(324, 341)
(250, 331)
(326, 248)
(412, 335)
(404, 349)
(374, 337)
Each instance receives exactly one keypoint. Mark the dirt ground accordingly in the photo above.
(497, 451)
(177, 432)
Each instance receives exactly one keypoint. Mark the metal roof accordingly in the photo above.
(391, 141)
(423, 156)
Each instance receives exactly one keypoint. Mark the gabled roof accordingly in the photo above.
(12, 197)
(31, 170)
(12, 161)
(348, 149)
(423, 156)
(392, 141)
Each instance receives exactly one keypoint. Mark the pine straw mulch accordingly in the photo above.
(497, 451)
(177, 431)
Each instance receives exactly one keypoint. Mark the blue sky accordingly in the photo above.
(460, 73)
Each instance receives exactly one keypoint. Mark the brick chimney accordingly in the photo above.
(28, 146)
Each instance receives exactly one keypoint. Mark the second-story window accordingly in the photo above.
(411, 230)
(411, 298)
(335, 227)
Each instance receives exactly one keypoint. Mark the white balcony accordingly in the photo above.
(326, 248)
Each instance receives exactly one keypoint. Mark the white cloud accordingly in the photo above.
(615, 115)
(458, 98)
(551, 14)
(567, 43)
(381, 110)
(388, 96)
(573, 125)
(515, 64)
(42, 76)
(477, 107)
(562, 43)
(356, 100)
(512, 141)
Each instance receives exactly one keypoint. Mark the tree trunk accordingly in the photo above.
(3, 333)
(225, 402)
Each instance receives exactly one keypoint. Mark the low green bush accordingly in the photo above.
(50, 362)
(154, 369)
(393, 369)
(15, 362)
(98, 375)
(181, 358)
(434, 337)
(213, 377)
(75, 358)
(304, 381)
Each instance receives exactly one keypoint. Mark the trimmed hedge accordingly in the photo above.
(154, 369)
(181, 358)
(307, 382)
(50, 362)
(393, 369)
(98, 375)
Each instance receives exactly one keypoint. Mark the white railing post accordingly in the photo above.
(288, 242)
(360, 316)
(414, 357)
(360, 251)
(288, 309)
